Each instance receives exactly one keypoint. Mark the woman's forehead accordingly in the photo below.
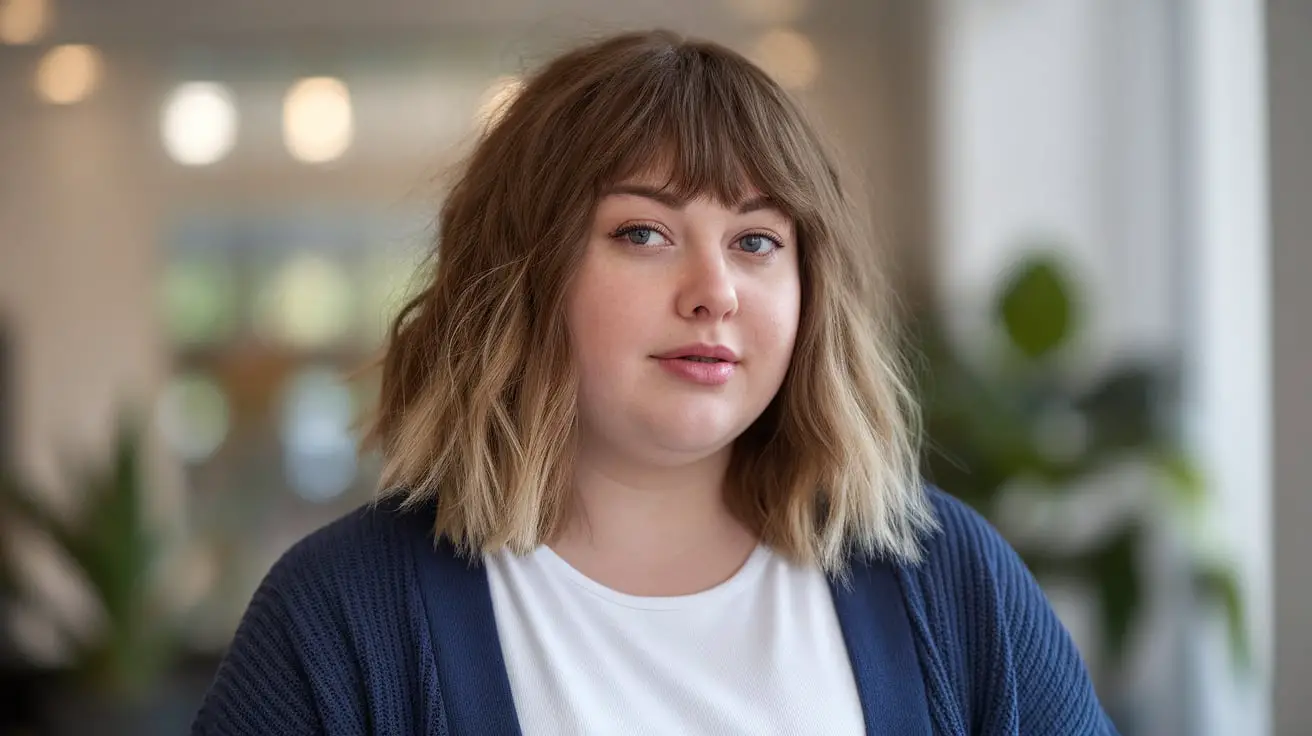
(682, 171)
(664, 185)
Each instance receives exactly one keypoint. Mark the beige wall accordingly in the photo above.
(77, 261)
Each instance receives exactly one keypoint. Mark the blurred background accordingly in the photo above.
(1095, 211)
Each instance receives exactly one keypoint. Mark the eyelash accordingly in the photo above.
(626, 229)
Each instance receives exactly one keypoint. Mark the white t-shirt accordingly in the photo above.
(761, 653)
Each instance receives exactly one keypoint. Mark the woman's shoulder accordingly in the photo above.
(967, 568)
(963, 541)
(984, 625)
(333, 636)
(372, 544)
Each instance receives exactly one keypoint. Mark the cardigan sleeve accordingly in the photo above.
(294, 667)
(334, 641)
(261, 685)
(1024, 673)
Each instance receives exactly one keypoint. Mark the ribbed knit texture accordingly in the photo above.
(338, 640)
(996, 660)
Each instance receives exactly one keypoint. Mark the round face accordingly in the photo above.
(682, 321)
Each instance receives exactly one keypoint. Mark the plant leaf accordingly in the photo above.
(1183, 476)
(1114, 568)
(1036, 307)
(1217, 583)
(110, 540)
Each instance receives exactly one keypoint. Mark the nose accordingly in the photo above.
(708, 291)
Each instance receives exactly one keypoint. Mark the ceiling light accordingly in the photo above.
(317, 124)
(199, 123)
(23, 21)
(68, 74)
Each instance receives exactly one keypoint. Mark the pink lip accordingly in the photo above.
(701, 350)
(706, 374)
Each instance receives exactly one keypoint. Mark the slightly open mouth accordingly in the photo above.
(700, 359)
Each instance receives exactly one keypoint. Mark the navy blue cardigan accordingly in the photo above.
(367, 627)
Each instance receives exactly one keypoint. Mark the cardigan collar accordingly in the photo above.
(476, 689)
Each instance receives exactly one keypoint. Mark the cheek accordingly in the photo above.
(789, 313)
(603, 315)
(778, 316)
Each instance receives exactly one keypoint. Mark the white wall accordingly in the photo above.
(1228, 385)
(1128, 137)
(1052, 130)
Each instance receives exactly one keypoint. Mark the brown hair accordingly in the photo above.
(477, 410)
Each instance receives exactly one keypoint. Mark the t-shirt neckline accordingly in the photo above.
(749, 570)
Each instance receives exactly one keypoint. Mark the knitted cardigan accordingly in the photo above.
(368, 626)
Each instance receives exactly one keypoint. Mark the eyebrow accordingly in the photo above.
(677, 203)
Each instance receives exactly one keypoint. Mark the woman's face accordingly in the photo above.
(682, 321)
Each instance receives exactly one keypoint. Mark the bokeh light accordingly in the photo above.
(787, 56)
(198, 300)
(307, 303)
(317, 124)
(68, 74)
(199, 123)
(390, 278)
(193, 416)
(23, 21)
(319, 451)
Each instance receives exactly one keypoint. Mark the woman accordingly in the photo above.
(650, 461)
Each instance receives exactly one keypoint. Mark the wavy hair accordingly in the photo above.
(477, 408)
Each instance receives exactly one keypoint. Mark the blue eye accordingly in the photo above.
(758, 244)
(639, 235)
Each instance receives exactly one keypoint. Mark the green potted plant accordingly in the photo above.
(1016, 418)
(115, 677)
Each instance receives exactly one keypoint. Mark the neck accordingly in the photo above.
(654, 530)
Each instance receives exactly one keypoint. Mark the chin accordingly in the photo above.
(669, 429)
(694, 435)
(693, 448)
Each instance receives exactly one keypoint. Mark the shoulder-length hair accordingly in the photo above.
(477, 412)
